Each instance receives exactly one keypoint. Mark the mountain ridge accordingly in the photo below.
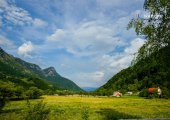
(16, 67)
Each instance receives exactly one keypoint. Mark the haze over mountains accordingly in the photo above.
(24, 72)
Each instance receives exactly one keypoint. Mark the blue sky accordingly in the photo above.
(85, 40)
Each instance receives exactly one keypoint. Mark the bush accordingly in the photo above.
(144, 93)
(7, 90)
(37, 111)
(33, 93)
(85, 113)
(165, 92)
(2, 103)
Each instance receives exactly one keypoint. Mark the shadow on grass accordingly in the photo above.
(11, 111)
(111, 114)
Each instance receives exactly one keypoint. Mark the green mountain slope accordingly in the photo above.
(27, 74)
(153, 71)
(60, 81)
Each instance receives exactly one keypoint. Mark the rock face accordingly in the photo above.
(59, 81)
(12, 66)
(50, 72)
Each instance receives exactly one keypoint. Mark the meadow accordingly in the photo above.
(92, 108)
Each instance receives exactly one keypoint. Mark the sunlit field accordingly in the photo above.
(92, 108)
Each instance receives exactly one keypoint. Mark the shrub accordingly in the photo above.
(33, 93)
(144, 93)
(37, 111)
(85, 113)
(2, 103)
(165, 92)
(7, 90)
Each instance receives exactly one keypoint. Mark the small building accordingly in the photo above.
(117, 94)
(129, 93)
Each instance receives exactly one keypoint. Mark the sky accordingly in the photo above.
(86, 41)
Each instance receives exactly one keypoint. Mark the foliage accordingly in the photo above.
(154, 27)
(152, 71)
(165, 92)
(71, 108)
(19, 92)
(2, 104)
(144, 93)
(34, 93)
(7, 90)
(37, 111)
(85, 113)
(152, 65)
(27, 75)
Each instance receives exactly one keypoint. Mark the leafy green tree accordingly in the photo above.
(34, 93)
(132, 87)
(155, 27)
(7, 90)
(19, 92)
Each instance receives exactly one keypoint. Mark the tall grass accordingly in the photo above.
(90, 108)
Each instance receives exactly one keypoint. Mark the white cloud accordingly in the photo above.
(14, 14)
(57, 36)
(94, 32)
(25, 49)
(122, 60)
(134, 46)
(6, 42)
(0, 21)
(18, 16)
(90, 79)
(88, 38)
(38, 23)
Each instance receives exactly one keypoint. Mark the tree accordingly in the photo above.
(19, 92)
(155, 27)
(7, 90)
(33, 93)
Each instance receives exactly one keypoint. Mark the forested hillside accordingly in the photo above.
(27, 75)
(153, 71)
(151, 67)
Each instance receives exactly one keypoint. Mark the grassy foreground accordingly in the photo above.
(93, 108)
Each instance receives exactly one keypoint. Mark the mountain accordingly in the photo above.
(89, 89)
(152, 71)
(59, 81)
(28, 74)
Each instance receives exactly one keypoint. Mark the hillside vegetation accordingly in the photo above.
(92, 108)
(151, 67)
(152, 71)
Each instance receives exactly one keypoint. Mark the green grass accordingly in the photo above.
(93, 108)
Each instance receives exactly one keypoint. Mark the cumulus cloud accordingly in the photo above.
(6, 42)
(88, 38)
(57, 36)
(134, 46)
(122, 60)
(25, 49)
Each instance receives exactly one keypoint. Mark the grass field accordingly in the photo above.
(93, 108)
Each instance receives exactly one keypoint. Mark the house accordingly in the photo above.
(117, 94)
(129, 93)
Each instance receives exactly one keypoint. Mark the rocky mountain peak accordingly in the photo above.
(50, 71)
(1, 50)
